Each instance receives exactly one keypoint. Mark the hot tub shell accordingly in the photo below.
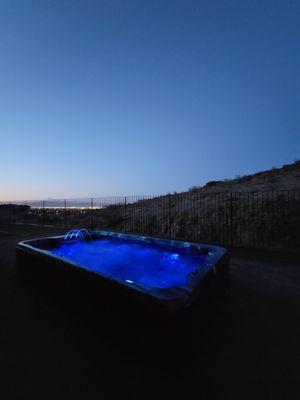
(34, 257)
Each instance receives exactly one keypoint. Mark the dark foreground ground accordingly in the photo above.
(242, 343)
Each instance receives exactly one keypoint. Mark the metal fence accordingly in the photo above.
(265, 219)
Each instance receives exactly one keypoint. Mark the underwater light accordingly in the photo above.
(173, 257)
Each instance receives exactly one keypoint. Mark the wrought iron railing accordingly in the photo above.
(264, 219)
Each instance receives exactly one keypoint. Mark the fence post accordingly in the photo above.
(43, 213)
(125, 214)
(231, 220)
(10, 213)
(65, 214)
(169, 216)
(92, 211)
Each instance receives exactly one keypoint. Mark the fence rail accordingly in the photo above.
(266, 219)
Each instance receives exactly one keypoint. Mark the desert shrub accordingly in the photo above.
(211, 183)
(194, 188)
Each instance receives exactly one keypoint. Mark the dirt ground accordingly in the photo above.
(239, 344)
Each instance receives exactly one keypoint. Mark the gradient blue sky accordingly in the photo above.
(144, 97)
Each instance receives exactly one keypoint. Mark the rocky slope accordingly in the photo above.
(260, 210)
(285, 178)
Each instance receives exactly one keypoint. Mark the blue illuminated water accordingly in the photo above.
(149, 266)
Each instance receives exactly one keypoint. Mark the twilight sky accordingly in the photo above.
(144, 97)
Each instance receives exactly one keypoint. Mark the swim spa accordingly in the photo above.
(160, 272)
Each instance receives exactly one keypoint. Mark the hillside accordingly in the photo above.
(285, 178)
(259, 210)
